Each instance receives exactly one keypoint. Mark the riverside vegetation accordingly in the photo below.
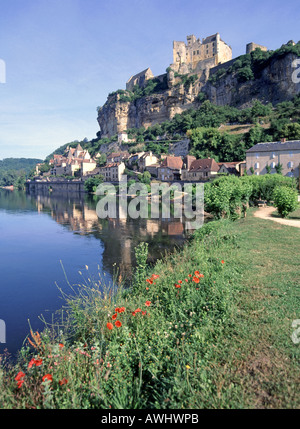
(209, 326)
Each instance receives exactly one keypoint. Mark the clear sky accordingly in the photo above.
(63, 57)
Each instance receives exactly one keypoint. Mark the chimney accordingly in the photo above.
(283, 140)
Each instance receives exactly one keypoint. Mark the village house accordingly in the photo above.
(73, 161)
(264, 156)
(200, 170)
(112, 172)
(170, 169)
(236, 168)
(146, 160)
(117, 157)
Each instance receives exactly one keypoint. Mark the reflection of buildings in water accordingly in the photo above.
(119, 236)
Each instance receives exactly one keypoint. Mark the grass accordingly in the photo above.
(219, 339)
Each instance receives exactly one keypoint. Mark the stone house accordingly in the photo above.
(146, 160)
(285, 153)
(236, 168)
(170, 169)
(72, 161)
(200, 170)
(117, 157)
(112, 172)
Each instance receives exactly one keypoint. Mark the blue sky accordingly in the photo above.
(63, 57)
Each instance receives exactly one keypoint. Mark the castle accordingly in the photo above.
(195, 54)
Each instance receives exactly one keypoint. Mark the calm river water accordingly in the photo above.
(40, 233)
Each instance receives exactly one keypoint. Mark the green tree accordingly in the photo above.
(285, 200)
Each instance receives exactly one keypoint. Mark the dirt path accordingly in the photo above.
(266, 213)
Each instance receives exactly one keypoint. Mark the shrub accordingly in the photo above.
(285, 199)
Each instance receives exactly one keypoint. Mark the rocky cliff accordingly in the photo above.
(222, 85)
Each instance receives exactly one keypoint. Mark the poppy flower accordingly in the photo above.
(155, 276)
(177, 286)
(61, 346)
(149, 281)
(118, 324)
(36, 362)
(121, 309)
(180, 282)
(19, 376)
(190, 275)
(148, 303)
(63, 381)
(114, 316)
(147, 288)
(197, 273)
(222, 262)
(186, 280)
(133, 313)
(109, 326)
(47, 377)
(144, 313)
(196, 280)
(20, 383)
(138, 310)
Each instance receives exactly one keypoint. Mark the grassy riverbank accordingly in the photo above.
(208, 327)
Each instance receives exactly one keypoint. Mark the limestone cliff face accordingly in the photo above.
(274, 84)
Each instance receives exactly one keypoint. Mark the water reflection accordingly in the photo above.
(120, 236)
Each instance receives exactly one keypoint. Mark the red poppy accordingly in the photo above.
(133, 313)
(177, 286)
(148, 303)
(63, 381)
(121, 309)
(20, 383)
(155, 276)
(196, 280)
(147, 288)
(180, 281)
(61, 346)
(186, 280)
(109, 326)
(197, 273)
(117, 310)
(36, 362)
(149, 281)
(47, 377)
(138, 310)
(118, 324)
(144, 313)
(222, 262)
(190, 275)
(114, 316)
(19, 376)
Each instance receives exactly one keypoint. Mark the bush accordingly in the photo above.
(285, 199)
(90, 185)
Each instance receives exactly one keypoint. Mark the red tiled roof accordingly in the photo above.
(173, 162)
(208, 164)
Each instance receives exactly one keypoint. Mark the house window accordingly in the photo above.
(272, 164)
(256, 165)
(291, 154)
(194, 52)
(257, 173)
(273, 155)
(257, 155)
(290, 164)
(197, 52)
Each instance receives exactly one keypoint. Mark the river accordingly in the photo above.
(44, 238)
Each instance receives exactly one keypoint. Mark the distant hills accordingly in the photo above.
(18, 164)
